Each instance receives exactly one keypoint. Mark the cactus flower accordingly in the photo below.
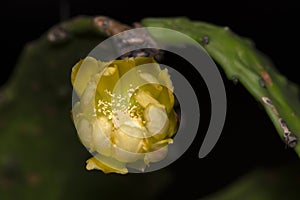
(124, 115)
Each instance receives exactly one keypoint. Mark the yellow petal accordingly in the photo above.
(127, 148)
(124, 65)
(144, 60)
(76, 112)
(126, 156)
(173, 123)
(84, 130)
(153, 89)
(161, 144)
(166, 98)
(82, 73)
(144, 98)
(107, 82)
(106, 164)
(127, 142)
(165, 79)
(157, 119)
(148, 77)
(102, 129)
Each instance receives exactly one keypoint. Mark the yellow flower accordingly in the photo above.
(124, 115)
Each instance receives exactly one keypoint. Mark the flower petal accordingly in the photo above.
(106, 164)
(102, 129)
(82, 73)
(157, 119)
(144, 98)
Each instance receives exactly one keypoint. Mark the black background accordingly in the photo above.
(249, 140)
(271, 24)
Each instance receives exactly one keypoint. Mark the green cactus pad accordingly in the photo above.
(241, 61)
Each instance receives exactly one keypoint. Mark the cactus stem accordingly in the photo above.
(262, 83)
(290, 139)
(58, 34)
(205, 40)
(268, 101)
(235, 80)
(282, 123)
(266, 77)
(239, 57)
(109, 26)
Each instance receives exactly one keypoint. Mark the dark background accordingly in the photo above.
(249, 139)
(271, 24)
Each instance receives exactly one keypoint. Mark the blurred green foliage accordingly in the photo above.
(41, 156)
